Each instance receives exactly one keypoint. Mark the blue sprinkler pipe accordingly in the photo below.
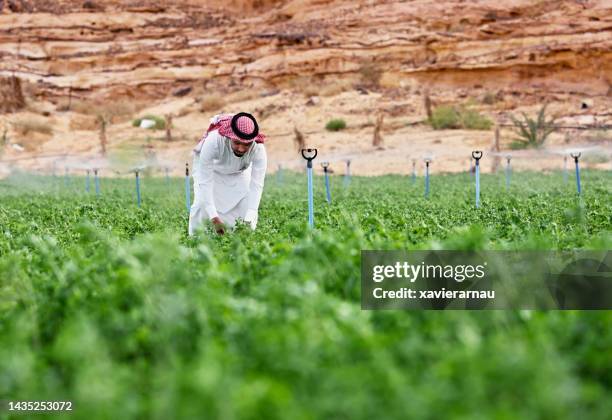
(97, 182)
(325, 165)
(413, 171)
(477, 154)
(279, 175)
(187, 188)
(347, 175)
(138, 188)
(427, 162)
(565, 169)
(312, 153)
(576, 157)
(87, 181)
(508, 171)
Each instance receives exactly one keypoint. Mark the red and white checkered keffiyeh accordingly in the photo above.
(223, 123)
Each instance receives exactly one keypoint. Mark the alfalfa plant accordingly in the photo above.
(532, 132)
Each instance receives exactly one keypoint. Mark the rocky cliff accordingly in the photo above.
(149, 48)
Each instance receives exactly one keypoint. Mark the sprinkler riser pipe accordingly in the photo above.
(427, 180)
(137, 189)
(97, 183)
(477, 184)
(347, 174)
(310, 196)
(327, 188)
(578, 186)
(508, 173)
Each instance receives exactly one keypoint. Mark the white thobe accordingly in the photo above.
(225, 185)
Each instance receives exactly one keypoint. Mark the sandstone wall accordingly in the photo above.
(105, 49)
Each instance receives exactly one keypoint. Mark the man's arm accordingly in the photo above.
(258, 174)
(210, 151)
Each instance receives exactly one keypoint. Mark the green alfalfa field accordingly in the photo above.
(115, 308)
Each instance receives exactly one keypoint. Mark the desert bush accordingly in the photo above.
(444, 117)
(473, 120)
(27, 125)
(113, 111)
(83, 122)
(450, 117)
(336, 124)
(489, 98)
(211, 102)
(160, 122)
(532, 132)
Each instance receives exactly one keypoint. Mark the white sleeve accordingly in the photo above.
(258, 174)
(210, 151)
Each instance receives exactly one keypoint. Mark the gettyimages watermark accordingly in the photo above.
(486, 280)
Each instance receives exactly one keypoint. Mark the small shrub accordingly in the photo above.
(160, 123)
(451, 117)
(532, 132)
(472, 120)
(489, 98)
(212, 102)
(26, 126)
(336, 124)
(115, 111)
(444, 117)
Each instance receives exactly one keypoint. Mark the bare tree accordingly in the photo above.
(168, 127)
(103, 121)
(495, 148)
(378, 141)
(427, 101)
(298, 138)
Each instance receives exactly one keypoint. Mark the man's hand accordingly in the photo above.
(218, 225)
(251, 218)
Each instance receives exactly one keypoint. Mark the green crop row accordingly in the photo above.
(115, 308)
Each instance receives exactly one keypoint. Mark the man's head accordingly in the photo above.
(239, 147)
(241, 129)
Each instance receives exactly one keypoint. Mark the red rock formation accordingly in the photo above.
(150, 48)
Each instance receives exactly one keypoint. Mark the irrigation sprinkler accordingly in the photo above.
(427, 162)
(508, 170)
(279, 174)
(413, 171)
(576, 156)
(97, 182)
(477, 155)
(325, 165)
(347, 174)
(309, 155)
(87, 181)
(137, 173)
(565, 169)
(187, 188)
